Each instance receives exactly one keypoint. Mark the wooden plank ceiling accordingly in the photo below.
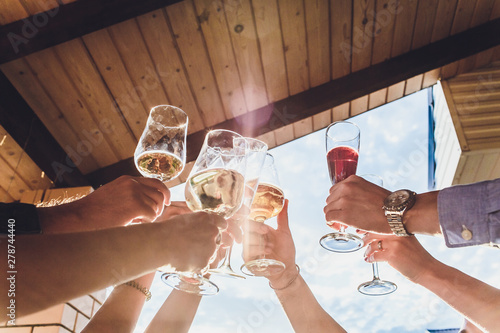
(274, 69)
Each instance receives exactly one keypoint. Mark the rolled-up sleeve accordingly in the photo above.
(470, 214)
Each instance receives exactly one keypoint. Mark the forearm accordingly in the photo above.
(56, 268)
(304, 311)
(476, 300)
(60, 219)
(176, 314)
(423, 217)
(122, 308)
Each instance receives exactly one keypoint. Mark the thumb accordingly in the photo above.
(283, 218)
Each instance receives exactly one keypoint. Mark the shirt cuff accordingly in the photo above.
(464, 207)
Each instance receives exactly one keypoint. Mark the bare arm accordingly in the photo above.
(300, 305)
(303, 310)
(121, 309)
(176, 314)
(475, 300)
(56, 268)
(114, 204)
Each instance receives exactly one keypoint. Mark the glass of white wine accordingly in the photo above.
(256, 154)
(267, 203)
(216, 185)
(161, 151)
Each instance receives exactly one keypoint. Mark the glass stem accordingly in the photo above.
(226, 262)
(375, 271)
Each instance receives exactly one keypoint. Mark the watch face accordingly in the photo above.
(397, 198)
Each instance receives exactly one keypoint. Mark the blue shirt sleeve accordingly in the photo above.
(474, 207)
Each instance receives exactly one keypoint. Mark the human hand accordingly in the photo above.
(190, 240)
(358, 203)
(115, 204)
(175, 208)
(278, 244)
(405, 254)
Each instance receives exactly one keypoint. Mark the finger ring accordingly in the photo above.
(379, 245)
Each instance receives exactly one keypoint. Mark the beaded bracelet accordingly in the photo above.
(289, 283)
(142, 289)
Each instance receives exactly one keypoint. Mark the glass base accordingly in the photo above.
(341, 242)
(197, 285)
(226, 271)
(377, 287)
(263, 267)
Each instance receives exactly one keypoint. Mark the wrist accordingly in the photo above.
(59, 219)
(430, 274)
(285, 279)
(422, 218)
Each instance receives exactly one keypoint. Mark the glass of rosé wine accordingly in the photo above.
(342, 147)
(267, 203)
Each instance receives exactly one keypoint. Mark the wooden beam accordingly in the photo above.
(341, 90)
(66, 22)
(19, 120)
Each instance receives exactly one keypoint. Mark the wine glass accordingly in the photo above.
(267, 203)
(215, 185)
(376, 287)
(255, 159)
(342, 146)
(161, 151)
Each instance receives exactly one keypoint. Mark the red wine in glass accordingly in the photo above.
(342, 162)
(342, 146)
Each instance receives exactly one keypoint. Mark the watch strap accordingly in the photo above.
(396, 223)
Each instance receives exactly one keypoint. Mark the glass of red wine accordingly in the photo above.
(342, 147)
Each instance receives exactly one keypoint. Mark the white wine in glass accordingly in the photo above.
(256, 155)
(215, 185)
(218, 191)
(161, 152)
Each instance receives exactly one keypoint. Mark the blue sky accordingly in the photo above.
(394, 146)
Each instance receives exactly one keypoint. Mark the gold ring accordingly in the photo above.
(379, 245)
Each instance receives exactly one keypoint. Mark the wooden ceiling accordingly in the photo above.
(78, 78)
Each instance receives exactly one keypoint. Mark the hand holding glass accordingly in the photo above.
(342, 146)
(215, 185)
(255, 159)
(267, 203)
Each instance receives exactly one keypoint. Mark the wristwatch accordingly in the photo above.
(395, 205)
